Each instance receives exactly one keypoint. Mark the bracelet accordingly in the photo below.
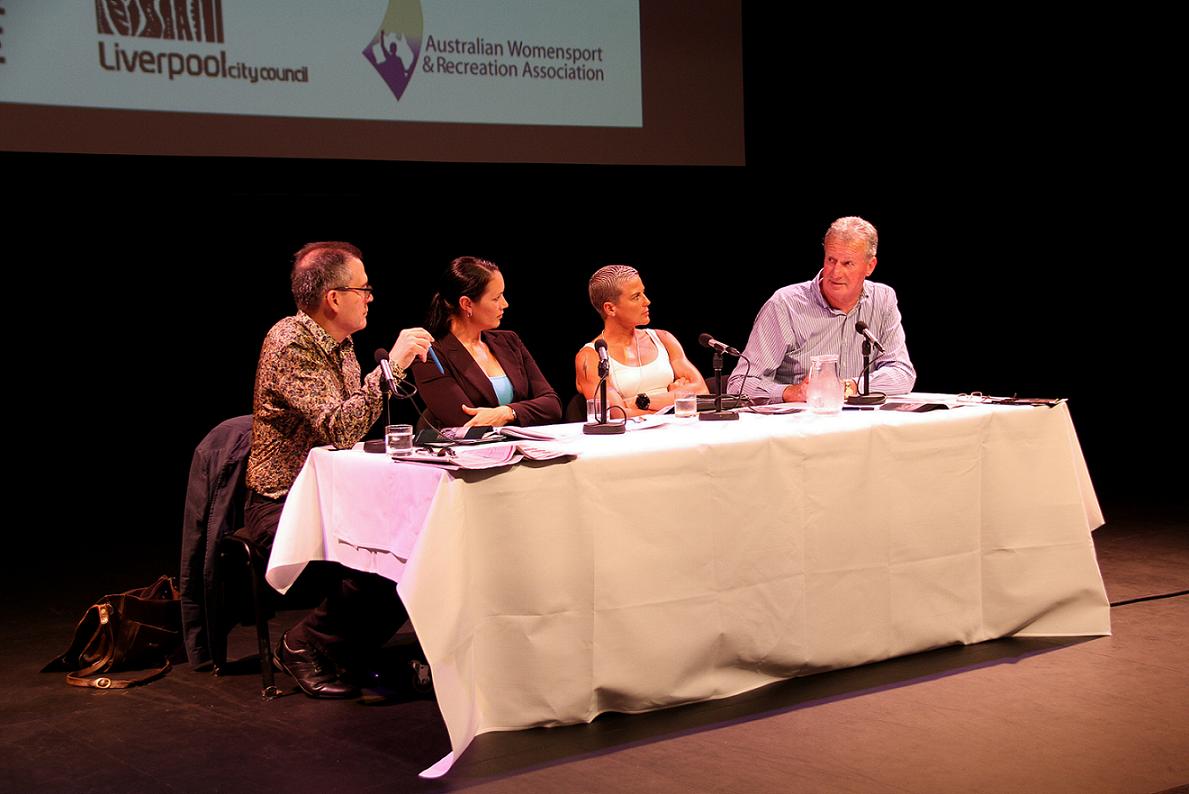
(398, 372)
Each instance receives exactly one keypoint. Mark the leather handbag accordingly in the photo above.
(136, 630)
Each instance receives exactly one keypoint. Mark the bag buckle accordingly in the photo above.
(104, 613)
(103, 683)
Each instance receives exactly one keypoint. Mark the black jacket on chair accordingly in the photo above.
(214, 508)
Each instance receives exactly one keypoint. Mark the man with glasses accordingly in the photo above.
(309, 393)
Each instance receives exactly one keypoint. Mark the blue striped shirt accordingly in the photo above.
(796, 324)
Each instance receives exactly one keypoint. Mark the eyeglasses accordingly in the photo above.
(367, 291)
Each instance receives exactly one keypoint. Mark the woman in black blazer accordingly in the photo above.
(486, 377)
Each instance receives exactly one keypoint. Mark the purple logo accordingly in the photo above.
(394, 50)
(180, 20)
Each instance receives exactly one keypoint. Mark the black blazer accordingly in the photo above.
(464, 382)
(214, 507)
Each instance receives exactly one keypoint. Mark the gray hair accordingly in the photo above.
(317, 269)
(853, 227)
(606, 284)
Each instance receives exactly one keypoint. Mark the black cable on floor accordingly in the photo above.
(1149, 598)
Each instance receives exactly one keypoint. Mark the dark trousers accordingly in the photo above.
(360, 611)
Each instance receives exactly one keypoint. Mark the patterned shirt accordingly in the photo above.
(308, 393)
(796, 324)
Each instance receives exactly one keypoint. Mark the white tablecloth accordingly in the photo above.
(699, 560)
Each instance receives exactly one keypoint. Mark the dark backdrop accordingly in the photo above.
(1017, 210)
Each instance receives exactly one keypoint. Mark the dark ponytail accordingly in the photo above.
(466, 275)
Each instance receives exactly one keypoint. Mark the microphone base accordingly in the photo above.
(874, 398)
(598, 429)
(717, 416)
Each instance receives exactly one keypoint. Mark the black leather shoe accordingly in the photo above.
(313, 672)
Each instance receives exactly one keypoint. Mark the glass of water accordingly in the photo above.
(686, 406)
(398, 440)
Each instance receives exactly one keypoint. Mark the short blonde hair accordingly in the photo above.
(606, 284)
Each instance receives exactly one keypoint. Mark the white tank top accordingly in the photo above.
(650, 379)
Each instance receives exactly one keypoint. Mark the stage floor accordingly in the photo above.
(1104, 714)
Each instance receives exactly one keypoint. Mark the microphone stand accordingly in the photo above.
(718, 414)
(381, 444)
(602, 427)
(867, 397)
(386, 393)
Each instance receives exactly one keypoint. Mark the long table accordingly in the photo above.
(699, 560)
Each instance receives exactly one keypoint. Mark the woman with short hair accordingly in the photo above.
(649, 370)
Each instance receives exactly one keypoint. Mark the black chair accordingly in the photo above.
(240, 565)
(576, 408)
(222, 574)
(214, 508)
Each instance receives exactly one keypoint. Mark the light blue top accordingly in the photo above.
(503, 388)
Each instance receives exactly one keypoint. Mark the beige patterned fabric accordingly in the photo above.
(308, 394)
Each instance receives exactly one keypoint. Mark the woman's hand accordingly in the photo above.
(495, 417)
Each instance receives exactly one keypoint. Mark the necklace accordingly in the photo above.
(478, 350)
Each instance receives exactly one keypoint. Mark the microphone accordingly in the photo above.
(601, 348)
(601, 426)
(386, 368)
(706, 340)
(865, 332)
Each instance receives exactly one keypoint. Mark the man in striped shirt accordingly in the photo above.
(818, 317)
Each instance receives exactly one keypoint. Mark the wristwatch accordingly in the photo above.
(642, 402)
